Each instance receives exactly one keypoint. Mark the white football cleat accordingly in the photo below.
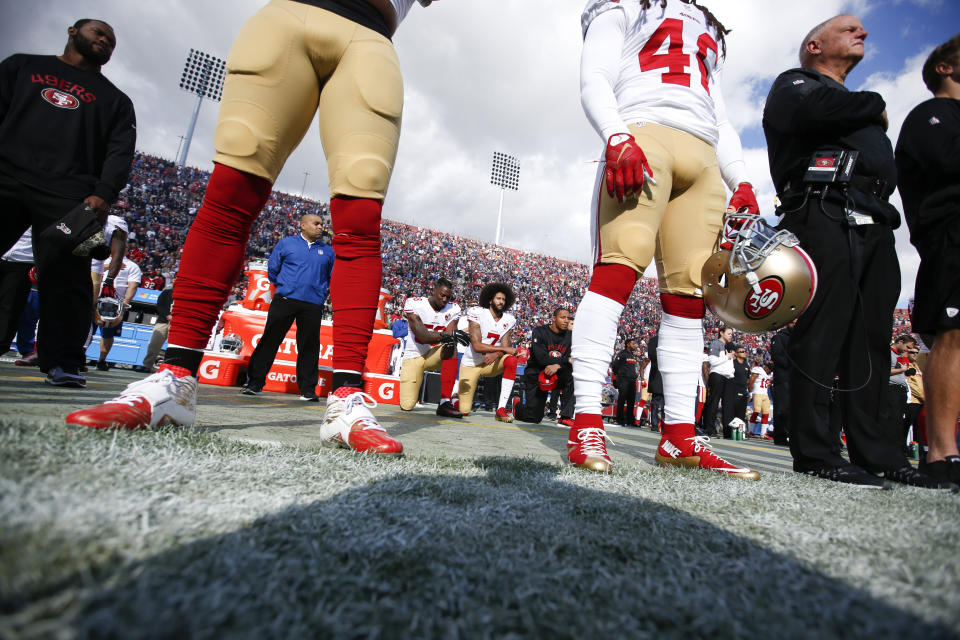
(159, 399)
(348, 423)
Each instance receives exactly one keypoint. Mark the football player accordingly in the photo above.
(760, 378)
(430, 344)
(649, 81)
(291, 61)
(491, 351)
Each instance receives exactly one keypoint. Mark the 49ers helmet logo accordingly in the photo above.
(60, 99)
(760, 305)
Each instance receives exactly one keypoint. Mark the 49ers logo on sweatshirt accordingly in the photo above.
(59, 98)
(760, 305)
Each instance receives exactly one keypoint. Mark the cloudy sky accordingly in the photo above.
(486, 75)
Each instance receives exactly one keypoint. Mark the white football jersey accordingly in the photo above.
(401, 7)
(129, 272)
(762, 383)
(491, 331)
(113, 223)
(432, 319)
(668, 68)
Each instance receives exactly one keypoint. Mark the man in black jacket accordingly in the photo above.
(655, 384)
(846, 226)
(548, 371)
(625, 369)
(67, 136)
(928, 161)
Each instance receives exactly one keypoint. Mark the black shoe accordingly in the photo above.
(102, 366)
(911, 477)
(852, 475)
(947, 470)
(310, 397)
(781, 443)
(250, 391)
(60, 378)
(446, 410)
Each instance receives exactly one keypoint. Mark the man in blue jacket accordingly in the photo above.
(300, 268)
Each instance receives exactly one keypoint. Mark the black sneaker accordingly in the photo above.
(102, 366)
(852, 475)
(911, 477)
(60, 378)
(947, 470)
(309, 397)
(250, 391)
(447, 410)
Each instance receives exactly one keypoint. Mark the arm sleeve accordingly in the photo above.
(800, 104)
(119, 156)
(729, 150)
(599, 69)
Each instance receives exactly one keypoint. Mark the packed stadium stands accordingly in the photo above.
(162, 199)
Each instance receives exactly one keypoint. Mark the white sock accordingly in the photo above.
(506, 388)
(679, 354)
(594, 334)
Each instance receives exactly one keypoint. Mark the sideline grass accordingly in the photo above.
(178, 533)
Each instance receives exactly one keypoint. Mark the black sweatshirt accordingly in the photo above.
(546, 348)
(928, 162)
(807, 111)
(63, 130)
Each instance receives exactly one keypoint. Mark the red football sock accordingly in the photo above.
(614, 281)
(448, 376)
(510, 368)
(678, 432)
(355, 285)
(213, 253)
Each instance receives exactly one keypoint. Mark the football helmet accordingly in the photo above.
(760, 279)
(109, 309)
(231, 343)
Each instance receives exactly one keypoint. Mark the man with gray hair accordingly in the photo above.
(833, 168)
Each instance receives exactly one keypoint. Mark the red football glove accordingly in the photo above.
(107, 290)
(32, 275)
(744, 200)
(625, 165)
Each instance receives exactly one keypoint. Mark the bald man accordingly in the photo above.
(300, 268)
(841, 215)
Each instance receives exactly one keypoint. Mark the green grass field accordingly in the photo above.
(176, 533)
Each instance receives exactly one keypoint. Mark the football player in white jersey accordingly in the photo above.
(430, 344)
(760, 379)
(649, 80)
(491, 351)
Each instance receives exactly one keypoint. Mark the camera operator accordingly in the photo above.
(840, 213)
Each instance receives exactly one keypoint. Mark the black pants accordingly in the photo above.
(845, 331)
(897, 411)
(533, 399)
(716, 384)
(64, 287)
(780, 397)
(657, 404)
(626, 401)
(14, 291)
(734, 406)
(282, 313)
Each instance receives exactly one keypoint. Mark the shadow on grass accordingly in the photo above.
(514, 552)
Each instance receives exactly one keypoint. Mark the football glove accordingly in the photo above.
(744, 200)
(448, 339)
(625, 166)
(462, 337)
(107, 290)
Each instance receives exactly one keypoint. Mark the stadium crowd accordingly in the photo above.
(161, 200)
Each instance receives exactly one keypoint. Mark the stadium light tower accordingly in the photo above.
(505, 174)
(202, 75)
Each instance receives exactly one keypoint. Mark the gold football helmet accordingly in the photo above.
(759, 279)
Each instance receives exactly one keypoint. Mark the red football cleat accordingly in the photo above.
(503, 415)
(695, 452)
(586, 444)
(566, 422)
